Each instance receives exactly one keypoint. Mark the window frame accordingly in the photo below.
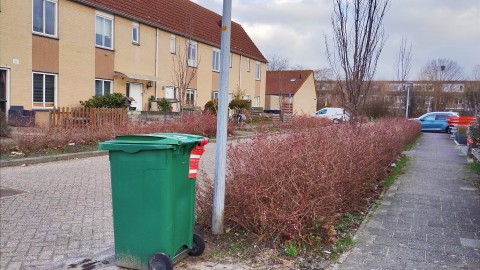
(175, 91)
(173, 44)
(55, 87)
(192, 92)
(103, 86)
(135, 25)
(248, 64)
(257, 71)
(105, 16)
(256, 101)
(55, 27)
(192, 44)
(216, 51)
(230, 60)
(215, 95)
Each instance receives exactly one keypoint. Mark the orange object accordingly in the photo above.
(195, 155)
(460, 121)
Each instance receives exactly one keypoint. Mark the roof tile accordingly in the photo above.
(181, 17)
(286, 82)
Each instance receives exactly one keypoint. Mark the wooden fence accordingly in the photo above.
(87, 117)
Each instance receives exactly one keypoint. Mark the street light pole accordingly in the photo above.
(409, 85)
(222, 122)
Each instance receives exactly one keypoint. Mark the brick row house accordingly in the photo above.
(56, 53)
(291, 92)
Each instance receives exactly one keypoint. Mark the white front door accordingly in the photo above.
(135, 92)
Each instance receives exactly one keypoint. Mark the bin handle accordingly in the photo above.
(147, 139)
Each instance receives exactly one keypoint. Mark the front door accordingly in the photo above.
(135, 92)
(3, 90)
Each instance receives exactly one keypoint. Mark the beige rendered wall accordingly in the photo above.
(304, 100)
(272, 102)
(204, 82)
(76, 80)
(165, 62)
(16, 49)
(134, 58)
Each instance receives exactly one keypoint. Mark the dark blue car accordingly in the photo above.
(435, 121)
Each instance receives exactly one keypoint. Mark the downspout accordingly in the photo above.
(240, 74)
(156, 62)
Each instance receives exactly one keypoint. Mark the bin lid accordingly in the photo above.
(156, 141)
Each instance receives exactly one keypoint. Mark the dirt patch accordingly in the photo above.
(235, 250)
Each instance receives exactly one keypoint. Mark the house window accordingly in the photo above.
(171, 92)
(246, 97)
(104, 30)
(44, 86)
(45, 17)
(256, 101)
(248, 65)
(173, 46)
(230, 60)
(257, 70)
(214, 95)
(103, 87)
(190, 95)
(216, 60)
(192, 53)
(135, 33)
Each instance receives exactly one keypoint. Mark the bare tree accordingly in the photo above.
(276, 62)
(441, 73)
(472, 92)
(358, 40)
(403, 61)
(402, 69)
(442, 69)
(184, 70)
(323, 81)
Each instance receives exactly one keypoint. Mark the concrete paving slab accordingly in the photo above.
(433, 215)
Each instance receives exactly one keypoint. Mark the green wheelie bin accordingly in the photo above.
(153, 196)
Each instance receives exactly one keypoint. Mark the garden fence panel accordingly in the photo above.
(66, 117)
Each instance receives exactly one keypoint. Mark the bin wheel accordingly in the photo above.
(160, 261)
(198, 246)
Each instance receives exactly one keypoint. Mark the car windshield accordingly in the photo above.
(323, 111)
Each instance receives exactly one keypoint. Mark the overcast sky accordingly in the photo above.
(295, 29)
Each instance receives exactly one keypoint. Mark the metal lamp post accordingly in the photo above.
(407, 104)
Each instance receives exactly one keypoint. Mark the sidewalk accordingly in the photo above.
(429, 219)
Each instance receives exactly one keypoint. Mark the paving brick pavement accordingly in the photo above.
(429, 219)
(64, 212)
(64, 215)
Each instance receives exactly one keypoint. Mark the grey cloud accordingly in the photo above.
(436, 28)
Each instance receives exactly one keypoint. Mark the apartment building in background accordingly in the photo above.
(56, 53)
(425, 96)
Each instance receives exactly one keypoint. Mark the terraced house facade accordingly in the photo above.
(56, 53)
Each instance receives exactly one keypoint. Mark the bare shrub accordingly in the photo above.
(295, 124)
(298, 184)
(38, 139)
